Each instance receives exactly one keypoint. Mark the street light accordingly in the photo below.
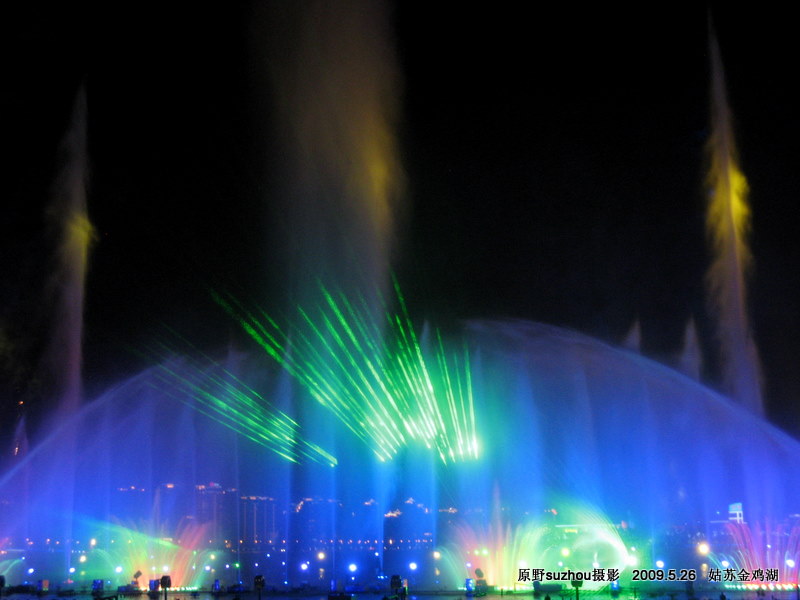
(577, 583)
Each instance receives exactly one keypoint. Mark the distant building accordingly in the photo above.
(260, 522)
(217, 507)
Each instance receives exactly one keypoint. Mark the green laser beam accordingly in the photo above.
(370, 369)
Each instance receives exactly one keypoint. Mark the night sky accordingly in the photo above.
(554, 164)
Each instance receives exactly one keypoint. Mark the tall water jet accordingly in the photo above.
(690, 361)
(336, 83)
(727, 221)
(73, 233)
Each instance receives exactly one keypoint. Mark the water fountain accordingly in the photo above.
(561, 421)
(352, 443)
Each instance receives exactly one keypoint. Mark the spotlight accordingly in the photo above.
(166, 583)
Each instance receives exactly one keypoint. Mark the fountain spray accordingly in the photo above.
(69, 219)
(727, 221)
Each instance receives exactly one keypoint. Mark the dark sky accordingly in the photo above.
(554, 164)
